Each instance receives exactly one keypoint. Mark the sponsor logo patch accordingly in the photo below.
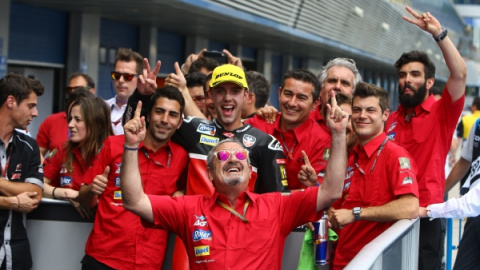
(404, 163)
(200, 221)
(16, 176)
(392, 126)
(117, 195)
(283, 172)
(206, 129)
(201, 235)
(65, 180)
(326, 154)
(248, 140)
(281, 161)
(117, 181)
(118, 165)
(391, 136)
(407, 180)
(275, 145)
(18, 168)
(228, 134)
(202, 250)
(208, 140)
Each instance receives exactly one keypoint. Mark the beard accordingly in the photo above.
(409, 101)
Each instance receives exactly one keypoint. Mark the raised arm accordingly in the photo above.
(331, 187)
(133, 196)
(456, 65)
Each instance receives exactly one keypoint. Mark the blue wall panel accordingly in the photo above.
(170, 49)
(37, 34)
(114, 35)
(276, 81)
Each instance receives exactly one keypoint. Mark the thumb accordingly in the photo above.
(178, 70)
(106, 172)
(32, 194)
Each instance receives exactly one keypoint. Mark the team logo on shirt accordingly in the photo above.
(404, 163)
(40, 168)
(15, 176)
(248, 140)
(206, 129)
(326, 154)
(200, 221)
(407, 180)
(202, 251)
(117, 171)
(65, 180)
(117, 181)
(392, 126)
(18, 168)
(275, 145)
(208, 140)
(201, 235)
(63, 169)
(350, 171)
(117, 195)
(228, 134)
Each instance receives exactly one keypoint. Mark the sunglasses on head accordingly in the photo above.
(126, 76)
(70, 89)
(225, 155)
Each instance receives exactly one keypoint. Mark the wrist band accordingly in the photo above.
(130, 148)
(442, 35)
(53, 193)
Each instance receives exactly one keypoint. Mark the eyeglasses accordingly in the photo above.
(225, 155)
(126, 76)
(199, 99)
(70, 89)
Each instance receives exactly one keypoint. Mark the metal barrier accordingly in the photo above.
(396, 248)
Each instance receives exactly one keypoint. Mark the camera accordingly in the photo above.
(220, 57)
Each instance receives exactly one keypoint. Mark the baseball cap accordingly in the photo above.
(228, 73)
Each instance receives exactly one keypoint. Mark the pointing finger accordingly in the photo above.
(138, 110)
(305, 158)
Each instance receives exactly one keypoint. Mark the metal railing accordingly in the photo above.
(396, 248)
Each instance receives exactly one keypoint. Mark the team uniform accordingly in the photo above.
(309, 137)
(198, 136)
(118, 238)
(53, 132)
(381, 172)
(317, 117)
(54, 169)
(21, 162)
(217, 239)
(427, 137)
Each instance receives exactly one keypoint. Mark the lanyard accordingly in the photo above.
(374, 161)
(289, 151)
(231, 210)
(156, 162)
(5, 171)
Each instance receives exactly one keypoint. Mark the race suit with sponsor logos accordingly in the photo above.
(198, 136)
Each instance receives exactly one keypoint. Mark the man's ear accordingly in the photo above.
(180, 122)
(10, 101)
(210, 174)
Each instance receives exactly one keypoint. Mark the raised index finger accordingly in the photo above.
(138, 110)
(305, 158)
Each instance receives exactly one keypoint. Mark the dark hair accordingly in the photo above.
(78, 93)
(127, 55)
(96, 115)
(169, 92)
(88, 79)
(205, 86)
(341, 98)
(417, 56)
(365, 90)
(195, 79)
(258, 85)
(203, 62)
(304, 76)
(435, 91)
(476, 102)
(18, 86)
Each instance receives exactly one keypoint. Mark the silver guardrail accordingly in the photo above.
(395, 248)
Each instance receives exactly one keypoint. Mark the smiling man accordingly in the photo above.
(118, 238)
(233, 227)
(383, 186)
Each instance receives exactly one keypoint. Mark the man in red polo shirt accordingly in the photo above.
(294, 129)
(382, 185)
(424, 127)
(118, 239)
(232, 227)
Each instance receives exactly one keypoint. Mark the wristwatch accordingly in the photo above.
(356, 212)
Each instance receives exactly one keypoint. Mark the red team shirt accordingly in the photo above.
(216, 239)
(118, 238)
(53, 132)
(309, 136)
(427, 137)
(394, 174)
(54, 169)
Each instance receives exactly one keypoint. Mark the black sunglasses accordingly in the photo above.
(126, 76)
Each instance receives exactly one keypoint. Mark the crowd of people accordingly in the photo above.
(205, 157)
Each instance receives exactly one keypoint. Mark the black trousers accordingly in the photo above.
(89, 263)
(431, 246)
(468, 256)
